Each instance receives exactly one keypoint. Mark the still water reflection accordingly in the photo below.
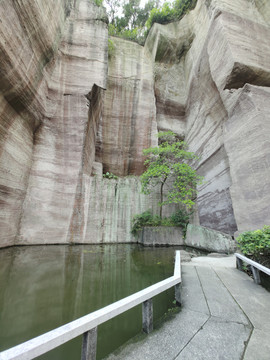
(43, 287)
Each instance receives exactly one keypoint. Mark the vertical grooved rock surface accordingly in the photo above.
(129, 118)
(61, 139)
(67, 114)
(112, 207)
(29, 35)
(248, 148)
(16, 143)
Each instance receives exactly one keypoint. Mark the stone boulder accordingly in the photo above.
(210, 240)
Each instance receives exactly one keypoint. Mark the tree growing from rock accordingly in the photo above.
(167, 166)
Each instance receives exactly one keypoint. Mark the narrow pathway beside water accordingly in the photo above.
(224, 315)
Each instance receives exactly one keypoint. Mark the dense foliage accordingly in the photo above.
(128, 20)
(256, 245)
(170, 12)
(131, 19)
(167, 164)
(179, 218)
(110, 176)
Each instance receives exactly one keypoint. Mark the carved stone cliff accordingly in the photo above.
(216, 58)
(67, 115)
(52, 56)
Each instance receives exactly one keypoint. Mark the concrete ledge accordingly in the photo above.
(161, 236)
(207, 239)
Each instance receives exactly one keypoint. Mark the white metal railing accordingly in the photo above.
(255, 267)
(87, 325)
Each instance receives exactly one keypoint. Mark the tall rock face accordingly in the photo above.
(52, 53)
(67, 116)
(29, 35)
(202, 110)
(61, 148)
(221, 50)
(129, 115)
(246, 136)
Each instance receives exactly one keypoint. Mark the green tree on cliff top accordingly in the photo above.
(130, 20)
(168, 168)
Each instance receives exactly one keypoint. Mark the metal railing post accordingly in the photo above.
(89, 345)
(147, 315)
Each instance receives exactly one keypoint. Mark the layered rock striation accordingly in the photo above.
(128, 122)
(61, 151)
(222, 49)
(56, 57)
(67, 115)
(29, 36)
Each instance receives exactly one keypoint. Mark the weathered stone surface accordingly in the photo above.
(29, 35)
(242, 58)
(61, 140)
(189, 78)
(246, 136)
(168, 46)
(228, 48)
(204, 134)
(108, 216)
(16, 142)
(129, 118)
(210, 240)
(161, 235)
(264, 9)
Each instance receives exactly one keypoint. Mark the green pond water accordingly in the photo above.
(43, 287)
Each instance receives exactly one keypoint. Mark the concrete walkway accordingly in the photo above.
(224, 315)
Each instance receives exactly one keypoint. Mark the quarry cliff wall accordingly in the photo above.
(68, 114)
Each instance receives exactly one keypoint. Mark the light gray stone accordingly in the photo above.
(161, 235)
(109, 206)
(210, 240)
(247, 144)
(128, 123)
(220, 302)
(30, 33)
(192, 292)
(66, 133)
(258, 346)
(185, 256)
(217, 339)
(166, 342)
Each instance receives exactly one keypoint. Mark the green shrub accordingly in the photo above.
(162, 15)
(98, 2)
(111, 48)
(144, 219)
(109, 175)
(255, 244)
(179, 218)
(170, 12)
(135, 22)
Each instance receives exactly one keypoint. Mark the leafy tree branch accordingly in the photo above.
(168, 164)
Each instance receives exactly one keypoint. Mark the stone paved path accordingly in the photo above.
(224, 316)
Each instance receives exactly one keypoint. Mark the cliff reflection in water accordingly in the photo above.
(43, 287)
